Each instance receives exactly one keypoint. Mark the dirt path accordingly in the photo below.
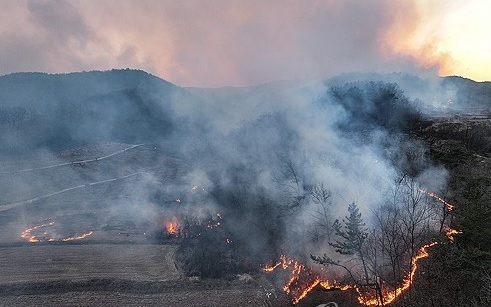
(72, 162)
(38, 198)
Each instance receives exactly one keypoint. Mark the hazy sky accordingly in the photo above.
(242, 42)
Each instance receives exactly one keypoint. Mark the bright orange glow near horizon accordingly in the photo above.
(451, 36)
(232, 42)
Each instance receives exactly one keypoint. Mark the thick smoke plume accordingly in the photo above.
(274, 164)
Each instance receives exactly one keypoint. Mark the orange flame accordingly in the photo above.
(388, 296)
(26, 234)
(80, 237)
(449, 206)
(172, 228)
(293, 286)
(451, 232)
(29, 237)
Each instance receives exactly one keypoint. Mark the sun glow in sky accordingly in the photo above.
(466, 34)
(236, 42)
(454, 35)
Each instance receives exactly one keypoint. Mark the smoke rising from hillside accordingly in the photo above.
(350, 138)
(253, 155)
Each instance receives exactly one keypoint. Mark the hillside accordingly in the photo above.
(61, 111)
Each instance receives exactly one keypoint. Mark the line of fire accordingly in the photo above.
(303, 279)
(300, 279)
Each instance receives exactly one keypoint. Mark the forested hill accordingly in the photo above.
(64, 110)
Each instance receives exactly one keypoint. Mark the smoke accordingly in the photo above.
(225, 42)
(259, 160)
(348, 135)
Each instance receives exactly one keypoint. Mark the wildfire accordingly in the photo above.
(300, 291)
(26, 234)
(285, 263)
(33, 238)
(449, 206)
(389, 297)
(451, 232)
(80, 237)
(172, 228)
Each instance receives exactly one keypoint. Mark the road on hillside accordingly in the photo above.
(73, 162)
(31, 200)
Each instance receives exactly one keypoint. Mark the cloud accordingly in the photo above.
(217, 42)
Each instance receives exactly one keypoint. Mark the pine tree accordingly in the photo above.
(353, 235)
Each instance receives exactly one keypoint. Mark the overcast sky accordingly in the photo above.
(243, 42)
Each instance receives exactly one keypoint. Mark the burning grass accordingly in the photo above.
(48, 232)
(303, 280)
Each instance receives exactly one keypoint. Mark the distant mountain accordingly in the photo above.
(64, 110)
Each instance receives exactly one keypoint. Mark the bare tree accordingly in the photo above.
(321, 212)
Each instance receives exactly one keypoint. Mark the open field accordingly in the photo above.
(184, 298)
(82, 262)
(111, 275)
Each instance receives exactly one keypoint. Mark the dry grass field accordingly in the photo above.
(184, 298)
(111, 275)
(83, 262)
